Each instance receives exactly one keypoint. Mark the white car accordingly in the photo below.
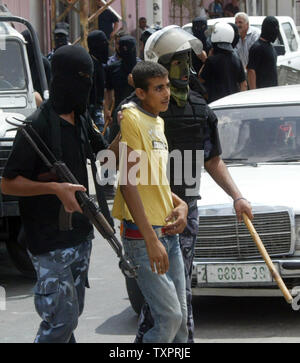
(260, 138)
(289, 37)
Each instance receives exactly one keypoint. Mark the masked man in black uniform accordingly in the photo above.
(117, 85)
(262, 65)
(98, 47)
(189, 125)
(60, 255)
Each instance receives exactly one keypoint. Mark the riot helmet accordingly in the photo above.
(222, 36)
(171, 40)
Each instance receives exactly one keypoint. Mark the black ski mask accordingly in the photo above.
(199, 28)
(72, 69)
(127, 52)
(98, 45)
(270, 29)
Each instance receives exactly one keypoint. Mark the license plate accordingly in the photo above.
(233, 273)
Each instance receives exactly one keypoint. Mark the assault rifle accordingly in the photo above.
(88, 206)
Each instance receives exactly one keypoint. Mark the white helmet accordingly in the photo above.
(165, 43)
(223, 35)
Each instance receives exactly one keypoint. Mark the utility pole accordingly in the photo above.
(84, 22)
(124, 15)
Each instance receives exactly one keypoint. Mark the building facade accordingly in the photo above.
(164, 12)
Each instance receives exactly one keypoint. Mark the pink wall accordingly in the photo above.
(19, 8)
(131, 11)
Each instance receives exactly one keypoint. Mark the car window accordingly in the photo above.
(260, 134)
(290, 36)
(12, 70)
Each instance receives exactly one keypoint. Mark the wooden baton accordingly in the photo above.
(266, 257)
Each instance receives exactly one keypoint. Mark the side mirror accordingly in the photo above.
(280, 49)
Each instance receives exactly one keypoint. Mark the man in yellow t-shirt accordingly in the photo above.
(152, 215)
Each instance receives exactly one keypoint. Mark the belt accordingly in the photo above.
(132, 233)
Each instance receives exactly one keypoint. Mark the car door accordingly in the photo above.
(292, 46)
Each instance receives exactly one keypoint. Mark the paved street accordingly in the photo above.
(109, 318)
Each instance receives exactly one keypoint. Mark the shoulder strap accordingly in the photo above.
(55, 132)
(99, 189)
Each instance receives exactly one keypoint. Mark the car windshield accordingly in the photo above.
(260, 134)
(12, 73)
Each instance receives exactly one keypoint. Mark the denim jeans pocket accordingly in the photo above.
(135, 249)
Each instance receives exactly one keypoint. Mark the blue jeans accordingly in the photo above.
(165, 294)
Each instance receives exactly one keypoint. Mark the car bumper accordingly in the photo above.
(288, 268)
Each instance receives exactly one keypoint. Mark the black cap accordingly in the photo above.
(62, 28)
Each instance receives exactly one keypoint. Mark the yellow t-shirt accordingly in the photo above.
(144, 133)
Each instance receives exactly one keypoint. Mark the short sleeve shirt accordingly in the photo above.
(106, 21)
(40, 214)
(144, 133)
(263, 59)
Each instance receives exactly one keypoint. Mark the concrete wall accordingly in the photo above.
(32, 10)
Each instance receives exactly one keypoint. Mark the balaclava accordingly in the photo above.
(179, 87)
(98, 45)
(127, 52)
(199, 28)
(270, 29)
(72, 69)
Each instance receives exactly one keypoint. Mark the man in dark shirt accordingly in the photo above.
(108, 22)
(60, 255)
(262, 66)
(199, 29)
(117, 78)
(223, 73)
(98, 48)
(232, 8)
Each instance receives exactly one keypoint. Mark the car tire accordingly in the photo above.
(135, 295)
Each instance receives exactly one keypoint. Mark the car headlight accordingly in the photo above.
(297, 232)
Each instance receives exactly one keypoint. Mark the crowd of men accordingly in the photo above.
(165, 107)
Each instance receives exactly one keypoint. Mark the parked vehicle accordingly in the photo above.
(16, 100)
(287, 45)
(260, 138)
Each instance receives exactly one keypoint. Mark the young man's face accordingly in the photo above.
(156, 99)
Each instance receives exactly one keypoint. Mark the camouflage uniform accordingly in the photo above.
(60, 291)
(187, 242)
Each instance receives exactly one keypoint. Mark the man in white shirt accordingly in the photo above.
(249, 35)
